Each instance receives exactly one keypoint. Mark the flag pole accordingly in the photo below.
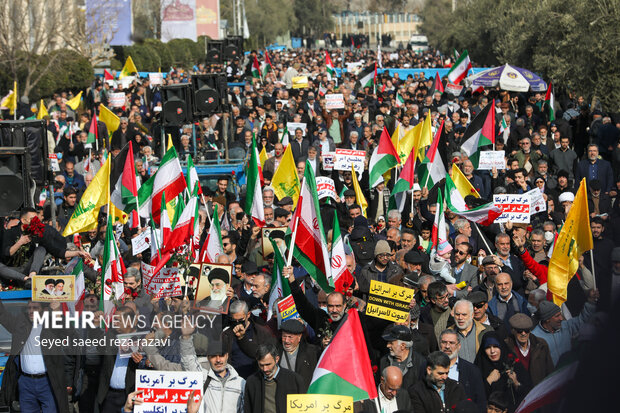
(482, 237)
(411, 189)
(592, 263)
(291, 246)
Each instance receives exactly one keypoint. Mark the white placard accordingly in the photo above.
(492, 159)
(126, 81)
(328, 160)
(325, 187)
(116, 100)
(291, 126)
(351, 67)
(141, 242)
(54, 162)
(334, 101)
(515, 208)
(393, 56)
(454, 89)
(537, 201)
(156, 78)
(283, 102)
(167, 391)
(347, 157)
(166, 283)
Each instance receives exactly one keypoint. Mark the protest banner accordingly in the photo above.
(388, 301)
(325, 187)
(167, 391)
(46, 288)
(279, 239)
(166, 283)
(537, 201)
(318, 403)
(334, 101)
(453, 89)
(54, 162)
(156, 78)
(116, 100)
(515, 208)
(291, 126)
(492, 159)
(287, 310)
(130, 343)
(347, 157)
(300, 82)
(328, 160)
(212, 286)
(141, 242)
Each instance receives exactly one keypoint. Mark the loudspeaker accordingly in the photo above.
(15, 182)
(32, 135)
(210, 93)
(214, 51)
(233, 47)
(177, 103)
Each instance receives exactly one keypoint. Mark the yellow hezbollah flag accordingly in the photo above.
(575, 238)
(42, 111)
(359, 195)
(262, 157)
(423, 137)
(85, 216)
(170, 145)
(74, 102)
(10, 100)
(128, 69)
(112, 122)
(462, 183)
(405, 145)
(285, 181)
(118, 216)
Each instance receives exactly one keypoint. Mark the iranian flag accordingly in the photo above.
(341, 276)
(399, 101)
(344, 367)
(255, 68)
(329, 66)
(310, 244)
(479, 133)
(504, 130)
(92, 130)
(432, 169)
(551, 390)
(165, 227)
(280, 287)
(439, 235)
(405, 182)
(80, 287)
(550, 102)
(112, 272)
(213, 245)
(383, 158)
(184, 227)
(254, 194)
(484, 214)
(268, 67)
(460, 68)
(125, 185)
(437, 84)
(169, 177)
(193, 182)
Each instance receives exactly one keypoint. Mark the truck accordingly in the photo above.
(419, 42)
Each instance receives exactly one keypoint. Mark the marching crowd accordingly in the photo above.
(481, 331)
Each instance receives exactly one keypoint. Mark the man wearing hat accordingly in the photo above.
(479, 300)
(380, 269)
(217, 300)
(243, 291)
(295, 353)
(401, 354)
(558, 332)
(490, 269)
(598, 202)
(602, 252)
(286, 203)
(531, 351)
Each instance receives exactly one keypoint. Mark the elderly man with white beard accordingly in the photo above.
(469, 331)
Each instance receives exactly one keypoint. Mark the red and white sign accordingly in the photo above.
(167, 391)
(347, 157)
(166, 283)
(325, 187)
(515, 208)
(116, 100)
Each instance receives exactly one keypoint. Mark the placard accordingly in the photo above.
(156, 78)
(347, 157)
(116, 100)
(492, 159)
(515, 208)
(389, 301)
(537, 201)
(126, 81)
(334, 101)
(166, 283)
(328, 160)
(167, 391)
(54, 162)
(325, 187)
(291, 126)
(47, 288)
(453, 89)
(212, 286)
(287, 310)
(318, 403)
(141, 243)
(267, 246)
(300, 82)
(130, 343)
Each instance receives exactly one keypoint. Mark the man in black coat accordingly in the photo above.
(295, 353)
(425, 395)
(411, 364)
(266, 390)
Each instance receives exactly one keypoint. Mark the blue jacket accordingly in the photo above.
(520, 300)
(604, 174)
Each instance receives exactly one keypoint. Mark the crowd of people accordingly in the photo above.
(481, 332)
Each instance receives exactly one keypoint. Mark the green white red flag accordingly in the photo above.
(484, 214)
(383, 158)
(479, 133)
(439, 235)
(213, 244)
(329, 66)
(112, 272)
(460, 68)
(550, 102)
(254, 194)
(341, 276)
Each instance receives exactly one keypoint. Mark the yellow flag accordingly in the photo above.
(112, 122)
(170, 145)
(128, 69)
(396, 137)
(85, 216)
(10, 100)
(42, 111)
(423, 137)
(575, 238)
(262, 157)
(75, 101)
(285, 181)
(406, 142)
(118, 216)
(360, 199)
(462, 183)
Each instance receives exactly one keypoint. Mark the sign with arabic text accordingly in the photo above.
(318, 403)
(515, 208)
(167, 390)
(389, 301)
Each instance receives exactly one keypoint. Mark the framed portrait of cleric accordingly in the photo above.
(277, 234)
(47, 288)
(211, 289)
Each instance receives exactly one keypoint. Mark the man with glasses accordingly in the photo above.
(438, 312)
(462, 271)
(532, 352)
(490, 269)
(481, 314)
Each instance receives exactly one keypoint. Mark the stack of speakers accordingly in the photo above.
(206, 95)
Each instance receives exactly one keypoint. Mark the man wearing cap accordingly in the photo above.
(480, 300)
(558, 332)
(392, 394)
(401, 354)
(244, 290)
(598, 203)
(295, 353)
(531, 351)
(490, 269)
(286, 203)
(380, 269)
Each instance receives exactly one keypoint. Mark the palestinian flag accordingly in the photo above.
(184, 226)
(550, 102)
(268, 67)
(124, 183)
(432, 170)
(484, 214)
(107, 75)
(80, 287)
(280, 287)
(254, 194)
(344, 367)
(439, 235)
(310, 244)
(329, 66)
(405, 182)
(169, 177)
(92, 130)
(437, 84)
(460, 68)
(479, 133)
(367, 77)
(383, 158)
(213, 245)
(341, 276)
(112, 272)
(255, 69)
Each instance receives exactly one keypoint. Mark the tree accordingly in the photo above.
(315, 17)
